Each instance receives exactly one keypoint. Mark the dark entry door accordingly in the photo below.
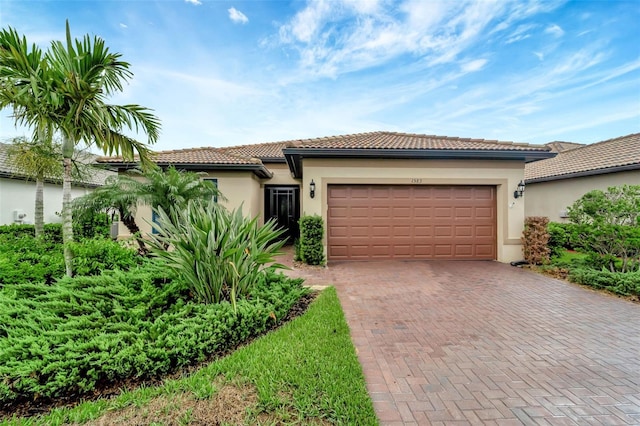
(282, 204)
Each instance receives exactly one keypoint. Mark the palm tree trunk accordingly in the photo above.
(67, 228)
(39, 208)
(130, 223)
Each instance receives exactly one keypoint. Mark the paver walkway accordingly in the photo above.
(447, 343)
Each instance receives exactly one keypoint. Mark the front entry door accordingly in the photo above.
(282, 204)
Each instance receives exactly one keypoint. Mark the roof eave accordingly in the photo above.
(294, 156)
(585, 173)
(258, 169)
(14, 176)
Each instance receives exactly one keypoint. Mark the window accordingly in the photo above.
(215, 183)
(154, 219)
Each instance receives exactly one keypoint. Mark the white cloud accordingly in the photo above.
(123, 25)
(554, 30)
(520, 33)
(333, 37)
(473, 66)
(540, 55)
(236, 16)
(195, 2)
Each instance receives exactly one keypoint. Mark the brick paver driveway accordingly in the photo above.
(487, 343)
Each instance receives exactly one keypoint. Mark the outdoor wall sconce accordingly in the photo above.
(312, 189)
(519, 192)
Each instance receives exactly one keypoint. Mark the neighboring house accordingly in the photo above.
(554, 184)
(382, 195)
(18, 193)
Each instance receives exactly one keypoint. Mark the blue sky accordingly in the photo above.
(221, 73)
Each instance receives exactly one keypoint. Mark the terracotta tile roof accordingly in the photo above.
(93, 177)
(600, 157)
(560, 146)
(409, 141)
(192, 156)
(253, 154)
(271, 150)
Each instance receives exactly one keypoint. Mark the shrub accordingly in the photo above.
(87, 331)
(26, 259)
(92, 257)
(559, 238)
(220, 254)
(91, 225)
(535, 240)
(16, 231)
(311, 233)
(618, 282)
(608, 226)
(52, 232)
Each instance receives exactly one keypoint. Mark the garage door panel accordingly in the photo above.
(411, 222)
(484, 212)
(464, 250)
(485, 193)
(484, 231)
(380, 211)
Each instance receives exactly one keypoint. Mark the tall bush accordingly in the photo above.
(311, 232)
(535, 239)
(609, 226)
(220, 254)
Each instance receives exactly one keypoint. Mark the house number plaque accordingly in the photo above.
(416, 180)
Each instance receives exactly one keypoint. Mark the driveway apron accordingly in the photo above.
(447, 343)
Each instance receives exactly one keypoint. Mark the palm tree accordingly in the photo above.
(172, 189)
(68, 89)
(169, 189)
(37, 161)
(118, 195)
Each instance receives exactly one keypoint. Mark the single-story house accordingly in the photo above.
(18, 192)
(382, 195)
(554, 184)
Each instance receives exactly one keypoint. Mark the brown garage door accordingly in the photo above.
(368, 222)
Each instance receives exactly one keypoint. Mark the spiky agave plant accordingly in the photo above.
(222, 255)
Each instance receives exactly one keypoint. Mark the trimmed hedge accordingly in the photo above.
(311, 232)
(90, 331)
(625, 283)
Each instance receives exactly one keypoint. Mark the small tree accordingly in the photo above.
(609, 225)
(37, 161)
(118, 195)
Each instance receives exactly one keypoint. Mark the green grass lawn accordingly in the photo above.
(305, 372)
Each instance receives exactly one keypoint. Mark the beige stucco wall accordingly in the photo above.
(281, 175)
(16, 194)
(505, 175)
(551, 198)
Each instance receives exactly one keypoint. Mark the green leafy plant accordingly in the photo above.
(52, 231)
(220, 254)
(311, 233)
(608, 226)
(85, 331)
(618, 282)
(26, 259)
(92, 257)
(96, 224)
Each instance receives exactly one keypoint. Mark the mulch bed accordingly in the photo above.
(32, 407)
